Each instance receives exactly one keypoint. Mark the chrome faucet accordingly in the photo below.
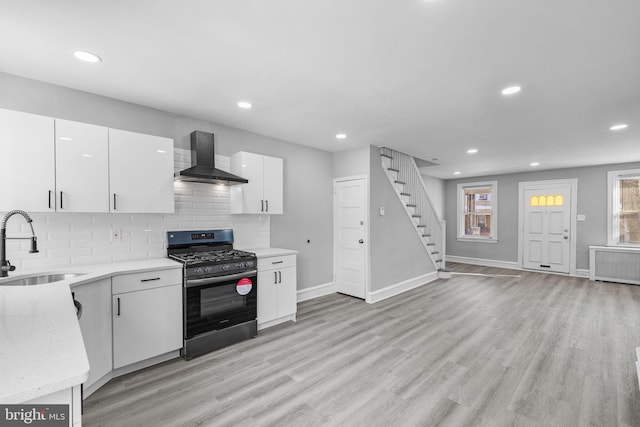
(5, 265)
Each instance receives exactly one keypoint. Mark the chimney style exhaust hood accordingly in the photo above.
(203, 163)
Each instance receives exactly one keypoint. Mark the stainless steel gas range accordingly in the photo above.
(219, 292)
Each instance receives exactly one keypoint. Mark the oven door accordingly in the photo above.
(219, 302)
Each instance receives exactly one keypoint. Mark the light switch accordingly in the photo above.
(581, 218)
(381, 210)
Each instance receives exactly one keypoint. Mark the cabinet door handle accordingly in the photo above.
(267, 203)
(149, 280)
(279, 276)
(118, 306)
(275, 277)
(261, 205)
(61, 201)
(277, 262)
(49, 201)
(114, 202)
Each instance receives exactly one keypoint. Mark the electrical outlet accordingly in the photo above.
(381, 210)
(581, 218)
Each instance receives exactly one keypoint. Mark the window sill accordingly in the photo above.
(477, 239)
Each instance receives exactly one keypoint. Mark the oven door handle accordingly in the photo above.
(218, 279)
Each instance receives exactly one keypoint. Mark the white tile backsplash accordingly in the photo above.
(78, 239)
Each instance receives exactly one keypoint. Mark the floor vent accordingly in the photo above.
(612, 264)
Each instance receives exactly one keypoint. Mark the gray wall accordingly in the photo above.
(307, 171)
(591, 201)
(351, 162)
(396, 251)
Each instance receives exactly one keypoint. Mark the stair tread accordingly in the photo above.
(410, 206)
(416, 216)
(431, 244)
(405, 194)
(426, 235)
(387, 156)
(393, 170)
(435, 253)
(421, 226)
(400, 182)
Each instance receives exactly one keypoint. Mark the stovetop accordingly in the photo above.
(212, 256)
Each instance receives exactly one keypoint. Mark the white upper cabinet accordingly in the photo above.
(264, 192)
(59, 165)
(27, 175)
(141, 173)
(82, 167)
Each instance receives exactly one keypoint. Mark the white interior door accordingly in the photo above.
(350, 236)
(547, 232)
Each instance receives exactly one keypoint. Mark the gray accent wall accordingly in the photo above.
(396, 251)
(306, 225)
(592, 202)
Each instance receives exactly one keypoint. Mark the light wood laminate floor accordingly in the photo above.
(535, 350)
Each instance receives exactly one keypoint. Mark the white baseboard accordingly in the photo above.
(512, 265)
(582, 273)
(505, 264)
(401, 287)
(316, 291)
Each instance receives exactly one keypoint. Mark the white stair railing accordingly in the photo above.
(404, 176)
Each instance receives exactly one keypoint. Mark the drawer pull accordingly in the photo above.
(118, 306)
(149, 280)
(277, 262)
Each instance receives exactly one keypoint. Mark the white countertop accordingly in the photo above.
(41, 346)
(268, 252)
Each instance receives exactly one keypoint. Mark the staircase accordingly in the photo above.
(404, 176)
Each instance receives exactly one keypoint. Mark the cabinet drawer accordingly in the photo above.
(148, 280)
(276, 262)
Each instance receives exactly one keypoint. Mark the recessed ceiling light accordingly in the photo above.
(341, 136)
(534, 164)
(160, 151)
(244, 104)
(457, 173)
(472, 151)
(511, 90)
(64, 138)
(87, 155)
(619, 126)
(85, 56)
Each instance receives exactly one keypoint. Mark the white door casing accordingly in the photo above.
(547, 224)
(350, 236)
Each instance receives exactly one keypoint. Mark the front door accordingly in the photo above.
(349, 241)
(547, 230)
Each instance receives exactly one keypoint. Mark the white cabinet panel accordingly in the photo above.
(273, 185)
(95, 324)
(277, 290)
(27, 175)
(146, 324)
(264, 192)
(82, 167)
(141, 173)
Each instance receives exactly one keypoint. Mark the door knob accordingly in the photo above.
(360, 241)
(565, 237)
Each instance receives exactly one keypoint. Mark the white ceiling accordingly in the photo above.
(423, 77)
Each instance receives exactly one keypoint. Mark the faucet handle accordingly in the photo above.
(6, 266)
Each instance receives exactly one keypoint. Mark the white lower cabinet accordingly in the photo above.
(147, 316)
(94, 299)
(69, 396)
(277, 299)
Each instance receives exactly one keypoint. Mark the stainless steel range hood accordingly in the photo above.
(203, 163)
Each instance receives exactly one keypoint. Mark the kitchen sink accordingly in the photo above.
(39, 279)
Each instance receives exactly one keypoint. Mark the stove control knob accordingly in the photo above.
(208, 270)
(226, 267)
(198, 270)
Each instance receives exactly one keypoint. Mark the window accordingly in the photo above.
(477, 211)
(624, 208)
